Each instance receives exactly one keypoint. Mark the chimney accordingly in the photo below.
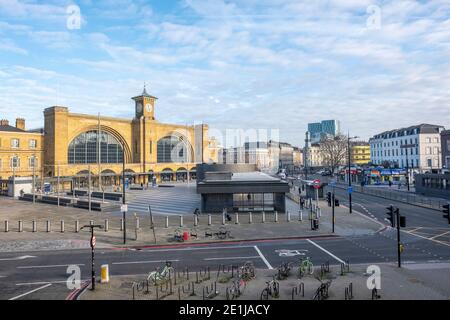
(4, 122)
(20, 123)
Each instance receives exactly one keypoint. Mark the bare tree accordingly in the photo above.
(334, 151)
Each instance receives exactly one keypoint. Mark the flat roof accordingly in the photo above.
(252, 176)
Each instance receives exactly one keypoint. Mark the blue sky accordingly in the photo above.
(275, 64)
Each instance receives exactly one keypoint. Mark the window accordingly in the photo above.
(172, 149)
(33, 144)
(428, 140)
(84, 148)
(14, 162)
(428, 150)
(15, 143)
(429, 163)
(32, 162)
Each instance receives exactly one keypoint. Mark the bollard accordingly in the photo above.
(106, 225)
(237, 218)
(288, 216)
(62, 226)
(167, 221)
(121, 224)
(20, 226)
(209, 220)
(195, 220)
(6, 226)
(250, 218)
(77, 226)
(263, 217)
(181, 221)
(104, 274)
(300, 215)
(33, 226)
(223, 219)
(91, 222)
(49, 226)
(276, 216)
(137, 223)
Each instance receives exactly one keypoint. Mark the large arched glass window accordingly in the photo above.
(84, 148)
(172, 149)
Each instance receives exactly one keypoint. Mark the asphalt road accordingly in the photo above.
(42, 275)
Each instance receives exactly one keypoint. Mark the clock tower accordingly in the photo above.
(145, 105)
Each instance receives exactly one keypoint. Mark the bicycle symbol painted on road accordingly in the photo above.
(291, 253)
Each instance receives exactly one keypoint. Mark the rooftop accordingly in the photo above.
(9, 128)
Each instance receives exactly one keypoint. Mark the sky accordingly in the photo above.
(248, 64)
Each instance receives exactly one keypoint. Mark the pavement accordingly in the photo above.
(409, 283)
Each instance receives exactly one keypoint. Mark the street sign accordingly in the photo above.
(332, 183)
(350, 190)
(93, 241)
(123, 208)
(316, 184)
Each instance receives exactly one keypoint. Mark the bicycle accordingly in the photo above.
(236, 289)
(284, 270)
(306, 267)
(158, 277)
(272, 290)
(247, 271)
(322, 291)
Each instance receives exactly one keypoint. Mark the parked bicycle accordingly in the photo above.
(247, 271)
(271, 290)
(306, 267)
(236, 289)
(322, 291)
(158, 277)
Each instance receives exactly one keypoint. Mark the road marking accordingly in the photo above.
(415, 229)
(195, 248)
(138, 262)
(326, 251)
(17, 258)
(46, 282)
(50, 266)
(434, 240)
(231, 258)
(439, 235)
(263, 258)
(34, 290)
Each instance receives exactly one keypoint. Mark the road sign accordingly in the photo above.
(332, 183)
(93, 241)
(123, 208)
(350, 190)
(316, 184)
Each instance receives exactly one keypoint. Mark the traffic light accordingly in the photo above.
(329, 198)
(446, 211)
(390, 214)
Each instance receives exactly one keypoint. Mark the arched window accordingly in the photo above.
(84, 148)
(172, 149)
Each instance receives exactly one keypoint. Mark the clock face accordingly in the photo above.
(139, 107)
(148, 107)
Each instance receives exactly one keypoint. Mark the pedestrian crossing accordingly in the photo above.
(180, 199)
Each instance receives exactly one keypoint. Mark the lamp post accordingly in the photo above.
(349, 173)
(123, 195)
(406, 146)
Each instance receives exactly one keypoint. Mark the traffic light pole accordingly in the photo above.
(92, 227)
(397, 213)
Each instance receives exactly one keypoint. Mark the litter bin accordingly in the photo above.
(185, 236)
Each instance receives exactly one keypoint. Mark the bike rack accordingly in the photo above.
(297, 290)
(211, 291)
(322, 291)
(139, 286)
(375, 295)
(345, 267)
(349, 292)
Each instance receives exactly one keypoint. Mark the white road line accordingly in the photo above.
(263, 258)
(194, 248)
(34, 290)
(50, 266)
(439, 235)
(46, 282)
(326, 251)
(419, 236)
(138, 262)
(231, 258)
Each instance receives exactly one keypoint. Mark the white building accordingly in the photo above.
(420, 144)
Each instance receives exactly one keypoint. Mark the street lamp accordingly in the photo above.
(123, 195)
(349, 173)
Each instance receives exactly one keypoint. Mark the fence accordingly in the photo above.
(400, 196)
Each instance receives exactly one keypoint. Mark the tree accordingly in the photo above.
(333, 151)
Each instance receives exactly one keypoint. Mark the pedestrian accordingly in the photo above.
(390, 183)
